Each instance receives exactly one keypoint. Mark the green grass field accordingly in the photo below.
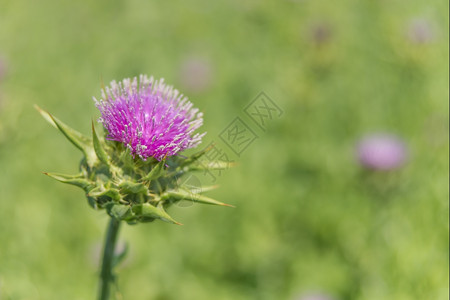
(308, 218)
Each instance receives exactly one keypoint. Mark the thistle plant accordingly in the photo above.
(133, 168)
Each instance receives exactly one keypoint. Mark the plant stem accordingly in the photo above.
(106, 274)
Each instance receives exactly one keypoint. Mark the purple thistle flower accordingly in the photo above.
(381, 152)
(420, 31)
(321, 34)
(3, 67)
(149, 117)
(196, 74)
(314, 296)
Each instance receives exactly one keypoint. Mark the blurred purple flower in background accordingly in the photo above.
(420, 31)
(321, 33)
(195, 74)
(381, 152)
(149, 117)
(3, 70)
(314, 296)
(3, 67)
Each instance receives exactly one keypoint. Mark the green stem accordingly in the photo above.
(106, 274)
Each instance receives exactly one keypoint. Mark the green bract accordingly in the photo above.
(131, 189)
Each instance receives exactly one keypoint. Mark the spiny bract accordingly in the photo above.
(137, 188)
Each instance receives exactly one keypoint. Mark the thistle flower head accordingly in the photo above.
(315, 296)
(420, 31)
(195, 74)
(381, 152)
(149, 117)
(151, 120)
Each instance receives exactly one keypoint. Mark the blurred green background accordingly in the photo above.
(309, 219)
